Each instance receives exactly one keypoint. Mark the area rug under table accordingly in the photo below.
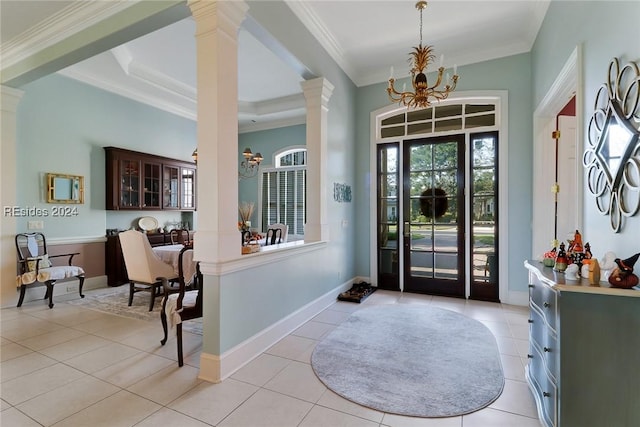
(411, 360)
(116, 302)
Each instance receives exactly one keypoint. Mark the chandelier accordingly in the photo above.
(249, 166)
(423, 94)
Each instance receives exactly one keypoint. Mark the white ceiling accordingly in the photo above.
(365, 39)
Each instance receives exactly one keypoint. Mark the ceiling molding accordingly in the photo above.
(129, 92)
(70, 20)
(319, 30)
(273, 124)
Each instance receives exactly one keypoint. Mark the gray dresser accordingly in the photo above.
(584, 351)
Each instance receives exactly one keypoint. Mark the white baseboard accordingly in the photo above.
(216, 368)
(518, 298)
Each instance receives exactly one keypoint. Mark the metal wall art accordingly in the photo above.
(341, 192)
(612, 157)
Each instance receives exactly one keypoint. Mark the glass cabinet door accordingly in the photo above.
(188, 188)
(151, 186)
(129, 183)
(170, 196)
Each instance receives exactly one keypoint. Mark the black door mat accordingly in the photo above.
(358, 292)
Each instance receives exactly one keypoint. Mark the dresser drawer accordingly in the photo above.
(545, 299)
(545, 341)
(545, 387)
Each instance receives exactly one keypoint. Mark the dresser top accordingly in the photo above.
(557, 281)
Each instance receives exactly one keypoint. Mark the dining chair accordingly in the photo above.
(276, 233)
(144, 268)
(34, 266)
(180, 236)
(181, 305)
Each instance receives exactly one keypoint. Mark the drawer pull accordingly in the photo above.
(546, 304)
(530, 356)
(547, 349)
(532, 286)
(530, 320)
(546, 394)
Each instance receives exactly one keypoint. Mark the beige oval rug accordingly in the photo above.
(411, 360)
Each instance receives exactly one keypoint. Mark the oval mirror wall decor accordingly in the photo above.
(612, 155)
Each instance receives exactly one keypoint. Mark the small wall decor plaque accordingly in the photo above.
(341, 193)
(612, 155)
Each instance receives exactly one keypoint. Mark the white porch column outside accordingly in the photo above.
(317, 93)
(9, 99)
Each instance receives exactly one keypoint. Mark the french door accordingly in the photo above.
(433, 215)
(437, 215)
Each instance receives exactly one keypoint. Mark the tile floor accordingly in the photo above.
(72, 366)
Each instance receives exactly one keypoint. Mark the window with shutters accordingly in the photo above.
(284, 192)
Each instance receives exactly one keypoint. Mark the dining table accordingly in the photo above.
(171, 255)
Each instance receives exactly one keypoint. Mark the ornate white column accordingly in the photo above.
(217, 24)
(9, 99)
(317, 93)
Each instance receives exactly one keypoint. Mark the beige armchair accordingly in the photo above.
(144, 268)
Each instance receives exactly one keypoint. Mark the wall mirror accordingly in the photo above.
(612, 157)
(65, 188)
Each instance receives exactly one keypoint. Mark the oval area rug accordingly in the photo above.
(411, 360)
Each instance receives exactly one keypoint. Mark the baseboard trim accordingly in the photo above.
(518, 298)
(215, 368)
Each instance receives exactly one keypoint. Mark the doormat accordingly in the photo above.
(358, 292)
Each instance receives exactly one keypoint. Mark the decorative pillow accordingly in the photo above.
(44, 262)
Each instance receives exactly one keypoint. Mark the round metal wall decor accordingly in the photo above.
(612, 155)
(433, 202)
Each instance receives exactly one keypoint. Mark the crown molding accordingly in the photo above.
(76, 17)
(273, 124)
(128, 92)
(319, 30)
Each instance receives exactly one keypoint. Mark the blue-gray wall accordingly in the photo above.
(512, 74)
(63, 126)
(267, 143)
(604, 30)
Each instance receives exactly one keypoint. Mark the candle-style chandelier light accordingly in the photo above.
(249, 166)
(423, 94)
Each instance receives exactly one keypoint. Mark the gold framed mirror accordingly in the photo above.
(63, 188)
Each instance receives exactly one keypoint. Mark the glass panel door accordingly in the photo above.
(433, 215)
(129, 184)
(171, 189)
(388, 214)
(484, 201)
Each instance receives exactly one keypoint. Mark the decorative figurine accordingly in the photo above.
(594, 272)
(561, 259)
(622, 276)
(549, 258)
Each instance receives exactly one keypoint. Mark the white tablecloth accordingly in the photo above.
(171, 253)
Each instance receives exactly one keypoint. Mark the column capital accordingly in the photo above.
(228, 15)
(318, 90)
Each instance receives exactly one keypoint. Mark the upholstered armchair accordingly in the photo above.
(144, 268)
(35, 266)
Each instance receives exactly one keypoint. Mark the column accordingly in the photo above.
(317, 93)
(9, 99)
(218, 239)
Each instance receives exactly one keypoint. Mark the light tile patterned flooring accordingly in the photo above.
(71, 366)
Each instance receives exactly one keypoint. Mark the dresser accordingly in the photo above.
(584, 351)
